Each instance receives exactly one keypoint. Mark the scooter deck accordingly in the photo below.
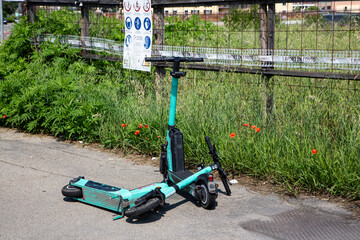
(179, 176)
(110, 197)
(101, 195)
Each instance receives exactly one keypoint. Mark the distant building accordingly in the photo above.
(219, 9)
(338, 6)
(353, 6)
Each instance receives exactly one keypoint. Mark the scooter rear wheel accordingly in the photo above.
(150, 205)
(71, 191)
(207, 199)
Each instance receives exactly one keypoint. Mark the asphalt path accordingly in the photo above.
(34, 168)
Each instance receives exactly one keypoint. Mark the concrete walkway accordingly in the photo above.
(33, 169)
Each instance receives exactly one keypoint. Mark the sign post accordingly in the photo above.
(138, 34)
(2, 22)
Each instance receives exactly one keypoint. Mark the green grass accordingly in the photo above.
(53, 90)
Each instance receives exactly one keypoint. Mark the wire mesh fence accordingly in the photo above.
(305, 38)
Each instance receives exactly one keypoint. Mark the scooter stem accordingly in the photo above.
(173, 98)
(172, 113)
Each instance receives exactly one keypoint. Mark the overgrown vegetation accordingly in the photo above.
(239, 19)
(51, 89)
(9, 8)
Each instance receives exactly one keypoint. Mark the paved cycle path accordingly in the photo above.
(33, 169)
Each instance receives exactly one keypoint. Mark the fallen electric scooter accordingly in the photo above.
(176, 177)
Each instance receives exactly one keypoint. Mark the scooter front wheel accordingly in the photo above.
(150, 205)
(207, 199)
(71, 191)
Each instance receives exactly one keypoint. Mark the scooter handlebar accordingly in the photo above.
(173, 59)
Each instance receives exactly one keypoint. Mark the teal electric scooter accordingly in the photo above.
(176, 177)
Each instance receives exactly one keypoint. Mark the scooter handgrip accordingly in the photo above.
(159, 59)
(195, 59)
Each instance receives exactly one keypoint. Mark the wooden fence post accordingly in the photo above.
(31, 12)
(263, 44)
(270, 47)
(159, 32)
(267, 42)
(84, 25)
(271, 30)
(263, 26)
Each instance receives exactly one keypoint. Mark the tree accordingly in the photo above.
(9, 8)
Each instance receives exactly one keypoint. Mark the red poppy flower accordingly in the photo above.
(146, 138)
(4, 116)
(314, 151)
(137, 132)
(140, 125)
(232, 135)
(159, 137)
(146, 126)
(253, 127)
(246, 124)
(257, 130)
(123, 125)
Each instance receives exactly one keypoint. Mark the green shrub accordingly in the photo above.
(239, 19)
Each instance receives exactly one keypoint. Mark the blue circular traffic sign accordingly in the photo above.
(127, 40)
(128, 23)
(147, 24)
(137, 23)
(147, 42)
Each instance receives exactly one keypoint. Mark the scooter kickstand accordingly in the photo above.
(120, 205)
(118, 217)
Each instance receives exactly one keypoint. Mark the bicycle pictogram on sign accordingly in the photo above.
(137, 6)
(137, 23)
(146, 5)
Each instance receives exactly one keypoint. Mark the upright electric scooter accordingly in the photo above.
(138, 201)
(172, 161)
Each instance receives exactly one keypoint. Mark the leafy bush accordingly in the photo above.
(191, 31)
(9, 8)
(312, 8)
(239, 19)
(314, 19)
(11, 19)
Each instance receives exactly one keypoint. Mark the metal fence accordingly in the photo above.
(287, 56)
(280, 38)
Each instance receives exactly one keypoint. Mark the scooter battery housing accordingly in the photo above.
(177, 150)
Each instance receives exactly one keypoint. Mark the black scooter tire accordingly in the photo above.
(207, 200)
(150, 205)
(71, 191)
